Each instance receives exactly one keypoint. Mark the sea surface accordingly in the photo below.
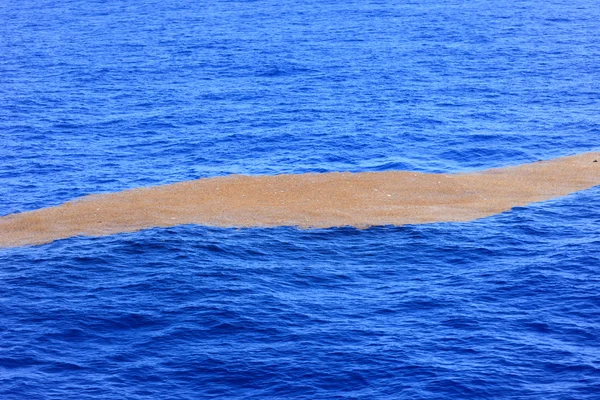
(101, 96)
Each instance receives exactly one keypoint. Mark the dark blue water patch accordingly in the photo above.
(488, 308)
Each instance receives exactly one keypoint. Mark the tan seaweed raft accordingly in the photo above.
(307, 200)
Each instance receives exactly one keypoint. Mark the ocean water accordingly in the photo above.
(100, 96)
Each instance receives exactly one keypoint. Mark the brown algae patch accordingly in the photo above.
(307, 200)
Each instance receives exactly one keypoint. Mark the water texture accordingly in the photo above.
(103, 96)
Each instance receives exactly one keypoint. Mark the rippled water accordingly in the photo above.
(103, 96)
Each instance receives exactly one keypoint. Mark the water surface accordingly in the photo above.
(102, 96)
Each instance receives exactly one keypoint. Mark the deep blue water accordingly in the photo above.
(99, 96)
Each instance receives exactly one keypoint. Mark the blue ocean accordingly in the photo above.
(101, 96)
